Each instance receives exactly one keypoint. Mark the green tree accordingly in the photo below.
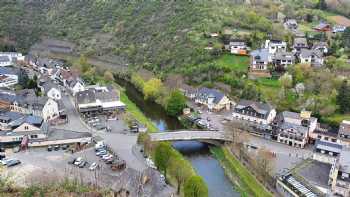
(322, 5)
(175, 103)
(152, 88)
(180, 169)
(195, 187)
(346, 38)
(343, 98)
(108, 76)
(162, 157)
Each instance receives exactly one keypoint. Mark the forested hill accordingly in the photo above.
(155, 34)
(161, 33)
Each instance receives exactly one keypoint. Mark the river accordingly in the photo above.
(197, 153)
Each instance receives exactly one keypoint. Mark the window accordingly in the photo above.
(334, 140)
(319, 137)
(326, 138)
(26, 127)
(33, 136)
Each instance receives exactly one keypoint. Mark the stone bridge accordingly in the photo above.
(205, 136)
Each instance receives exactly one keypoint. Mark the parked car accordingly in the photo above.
(93, 166)
(101, 153)
(82, 164)
(109, 161)
(78, 161)
(106, 157)
(49, 148)
(65, 147)
(56, 147)
(72, 161)
(13, 162)
(5, 161)
(100, 144)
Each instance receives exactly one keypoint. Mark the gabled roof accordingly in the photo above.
(262, 108)
(298, 128)
(260, 54)
(306, 53)
(205, 93)
(284, 56)
(86, 96)
(48, 86)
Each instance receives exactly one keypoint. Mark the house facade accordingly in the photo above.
(259, 60)
(75, 86)
(326, 152)
(339, 176)
(213, 99)
(275, 46)
(238, 47)
(97, 100)
(294, 129)
(344, 133)
(283, 59)
(254, 112)
(313, 57)
(10, 58)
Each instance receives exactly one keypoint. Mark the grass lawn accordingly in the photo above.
(233, 62)
(136, 113)
(248, 185)
(267, 82)
(336, 118)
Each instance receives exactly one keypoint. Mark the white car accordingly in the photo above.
(5, 161)
(93, 166)
(78, 161)
(106, 157)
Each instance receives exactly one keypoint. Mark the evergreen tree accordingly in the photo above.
(322, 5)
(343, 98)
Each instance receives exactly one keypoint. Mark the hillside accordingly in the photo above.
(152, 33)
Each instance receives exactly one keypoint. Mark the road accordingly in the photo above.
(121, 141)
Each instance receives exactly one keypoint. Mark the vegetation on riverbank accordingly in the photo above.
(247, 183)
(63, 188)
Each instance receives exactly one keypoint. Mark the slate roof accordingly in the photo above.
(205, 93)
(300, 41)
(4, 58)
(48, 86)
(25, 98)
(328, 146)
(262, 108)
(295, 127)
(60, 134)
(306, 53)
(86, 96)
(260, 55)
(284, 56)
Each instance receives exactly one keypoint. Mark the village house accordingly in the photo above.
(338, 29)
(9, 76)
(213, 99)
(26, 101)
(238, 47)
(299, 43)
(322, 27)
(5, 61)
(275, 46)
(10, 58)
(326, 152)
(97, 100)
(321, 46)
(283, 59)
(75, 86)
(188, 91)
(294, 129)
(259, 60)
(15, 126)
(50, 89)
(344, 132)
(339, 176)
(324, 134)
(291, 24)
(254, 112)
(313, 57)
